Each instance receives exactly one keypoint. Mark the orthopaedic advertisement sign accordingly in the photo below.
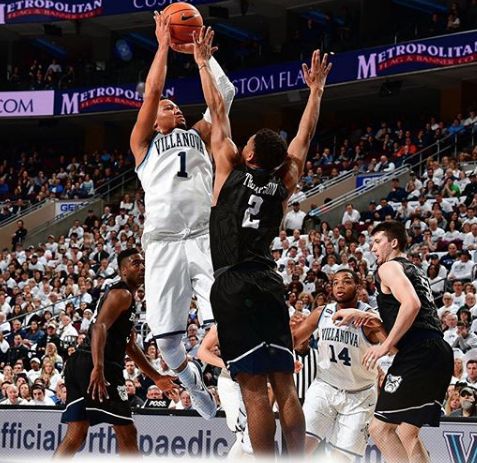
(28, 11)
(23, 104)
(416, 56)
(36, 433)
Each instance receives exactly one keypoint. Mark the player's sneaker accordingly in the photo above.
(202, 399)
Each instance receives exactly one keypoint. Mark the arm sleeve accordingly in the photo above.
(226, 88)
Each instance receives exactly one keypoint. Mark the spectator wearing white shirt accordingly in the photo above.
(68, 330)
(436, 232)
(277, 241)
(76, 228)
(472, 119)
(466, 340)
(458, 296)
(39, 398)
(450, 334)
(470, 239)
(121, 219)
(350, 215)
(294, 219)
(4, 305)
(34, 371)
(462, 269)
(384, 165)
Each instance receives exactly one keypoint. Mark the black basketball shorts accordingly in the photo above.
(416, 384)
(79, 404)
(252, 321)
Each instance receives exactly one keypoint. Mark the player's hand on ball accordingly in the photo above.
(187, 48)
(166, 383)
(315, 76)
(163, 34)
(98, 385)
(203, 49)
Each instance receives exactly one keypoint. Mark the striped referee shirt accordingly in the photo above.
(307, 374)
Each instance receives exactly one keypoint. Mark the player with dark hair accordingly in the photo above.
(415, 386)
(94, 373)
(340, 402)
(250, 194)
(175, 169)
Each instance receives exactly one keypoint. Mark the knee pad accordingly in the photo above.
(172, 350)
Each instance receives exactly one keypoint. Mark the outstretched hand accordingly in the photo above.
(315, 77)
(203, 49)
(163, 34)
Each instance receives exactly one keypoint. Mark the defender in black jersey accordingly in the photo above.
(250, 193)
(416, 383)
(93, 375)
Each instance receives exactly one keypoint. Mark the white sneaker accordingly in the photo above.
(202, 400)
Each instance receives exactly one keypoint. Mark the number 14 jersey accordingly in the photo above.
(176, 176)
(246, 218)
(340, 352)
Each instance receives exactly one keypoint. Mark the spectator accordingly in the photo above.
(448, 259)
(397, 193)
(450, 334)
(20, 234)
(133, 399)
(34, 371)
(39, 398)
(470, 239)
(294, 219)
(350, 214)
(385, 165)
(12, 397)
(467, 403)
(462, 269)
(465, 339)
(130, 371)
(471, 372)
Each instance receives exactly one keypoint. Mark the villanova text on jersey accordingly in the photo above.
(179, 140)
(340, 335)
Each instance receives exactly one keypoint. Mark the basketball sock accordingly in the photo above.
(187, 377)
(172, 350)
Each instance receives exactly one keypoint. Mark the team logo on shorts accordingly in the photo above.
(123, 395)
(392, 383)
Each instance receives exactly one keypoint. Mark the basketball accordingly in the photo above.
(184, 20)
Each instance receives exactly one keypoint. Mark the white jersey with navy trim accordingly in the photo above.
(340, 352)
(176, 176)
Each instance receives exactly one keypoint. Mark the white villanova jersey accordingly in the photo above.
(176, 176)
(340, 352)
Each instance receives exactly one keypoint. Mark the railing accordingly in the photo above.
(102, 192)
(348, 197)
(14, 217)
(328, 184)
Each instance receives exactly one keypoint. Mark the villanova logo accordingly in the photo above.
(457, 450)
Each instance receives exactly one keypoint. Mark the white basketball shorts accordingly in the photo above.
(339, 417)
(175, 271)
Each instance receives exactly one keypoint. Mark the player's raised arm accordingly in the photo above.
(315, 78)
(223, 148)
(303, 327)
(156, 77)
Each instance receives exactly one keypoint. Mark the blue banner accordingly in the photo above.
(29, 11)
(433, 53)
(366, 179)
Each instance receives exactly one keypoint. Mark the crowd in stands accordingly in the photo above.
(32, 177)
(328, 30)
(48, 292)
(382, 147)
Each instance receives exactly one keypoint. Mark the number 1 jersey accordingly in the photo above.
(246, 218)
(176, 176)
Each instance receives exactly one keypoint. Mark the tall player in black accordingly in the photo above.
(94, 374)
(250, 194)
(414, 388)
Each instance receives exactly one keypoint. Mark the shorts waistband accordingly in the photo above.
(244, 267)
(354, 391)
(185, 234)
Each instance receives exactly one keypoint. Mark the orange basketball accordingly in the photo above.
(184, 20)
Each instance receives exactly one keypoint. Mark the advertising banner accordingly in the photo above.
(367, 179)
(27, 433)
(64, 207)
(25, 104)
(28, 11)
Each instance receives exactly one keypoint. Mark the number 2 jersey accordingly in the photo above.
(246, 218)
(340, 353)
(176, 176)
